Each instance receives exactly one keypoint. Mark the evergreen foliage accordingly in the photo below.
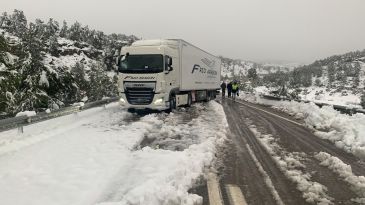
(362, 103)
(27, 82)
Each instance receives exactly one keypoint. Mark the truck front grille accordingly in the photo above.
(139, 96)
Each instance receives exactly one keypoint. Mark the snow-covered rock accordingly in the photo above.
(26, 113)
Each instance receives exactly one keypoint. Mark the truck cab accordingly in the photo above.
(148, 74)
(164, 74)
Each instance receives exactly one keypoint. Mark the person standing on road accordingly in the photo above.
(229, 89)
(223, 86)
(235, 89)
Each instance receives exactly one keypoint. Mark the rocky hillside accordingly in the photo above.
(45, 65)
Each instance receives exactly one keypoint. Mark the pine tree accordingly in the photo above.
(331, 74)
(53, 45)
(252, 74)
(81, 84)
(33, 95)
(4, 21)
(75, 32)
(363, 100)
(64, 30)
(9, 80)
(356, 78)
(18, 23)
(52, 28)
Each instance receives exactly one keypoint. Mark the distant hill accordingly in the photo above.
(345, 71)
(239, 69)
(48, 65)
(338, 79)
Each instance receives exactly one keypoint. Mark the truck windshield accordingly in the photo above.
(149, 63)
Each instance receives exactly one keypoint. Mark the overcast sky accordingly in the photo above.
(261, 30)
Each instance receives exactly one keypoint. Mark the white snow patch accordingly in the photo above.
(345, 172)
(26, 113)
(43, 79)
(81, 104)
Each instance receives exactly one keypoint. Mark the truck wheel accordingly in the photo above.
(172, 103)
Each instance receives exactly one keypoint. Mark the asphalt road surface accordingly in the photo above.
(249, 164)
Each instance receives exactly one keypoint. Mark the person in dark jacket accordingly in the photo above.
(223, 86)
(229, 89)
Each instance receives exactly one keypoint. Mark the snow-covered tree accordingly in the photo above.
(18, 23)
(356, 78)
(252, 74)
(81, 81)
(75, 32)
(64, 30)
(4, 21)
(52, 28)
(331, 73)
(363, 100)
(53, 45)
(33, 79)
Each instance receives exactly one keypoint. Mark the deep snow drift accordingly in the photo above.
(109, 156)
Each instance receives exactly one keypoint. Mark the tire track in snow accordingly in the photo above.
(242, 136)
(299, 139)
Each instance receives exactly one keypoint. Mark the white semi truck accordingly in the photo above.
(164, 74)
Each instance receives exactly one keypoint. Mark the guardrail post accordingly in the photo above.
(20, 129)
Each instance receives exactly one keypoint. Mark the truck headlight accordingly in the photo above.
(121, 101)
(158, 101)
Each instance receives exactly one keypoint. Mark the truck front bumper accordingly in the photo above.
(158, 103)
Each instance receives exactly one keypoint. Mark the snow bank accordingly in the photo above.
(26, 113)
(345, 172)
(163, 176)
(94, 158)
(347, 132)
(290, 164)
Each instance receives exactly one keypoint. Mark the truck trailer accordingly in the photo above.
(164, 74)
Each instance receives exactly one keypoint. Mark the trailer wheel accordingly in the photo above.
(190, 100)
(209, 96)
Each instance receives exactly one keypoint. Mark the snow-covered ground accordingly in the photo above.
(345, 131)
(345, 172)
(109, 156)
(322, 95)
(293, 168)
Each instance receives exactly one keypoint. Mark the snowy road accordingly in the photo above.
(109, 156)
(276, 160)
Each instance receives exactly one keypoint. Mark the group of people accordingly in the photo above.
(232, 88)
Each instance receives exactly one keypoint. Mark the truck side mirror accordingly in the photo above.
(170, 63)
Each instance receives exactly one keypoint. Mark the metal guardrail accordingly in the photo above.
(340, 108)
(21, 121)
